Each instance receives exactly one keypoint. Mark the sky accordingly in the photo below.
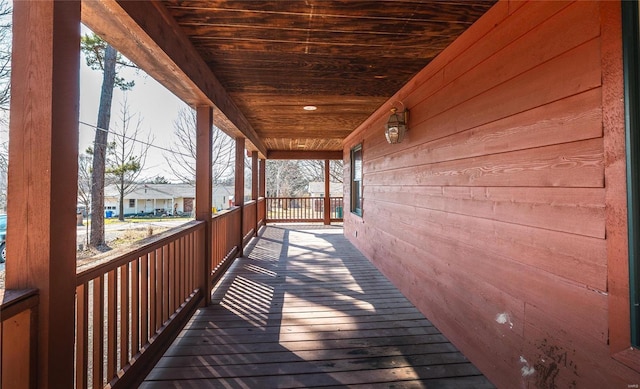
(157, 107)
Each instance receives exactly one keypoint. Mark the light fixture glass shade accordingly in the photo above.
(396, 126)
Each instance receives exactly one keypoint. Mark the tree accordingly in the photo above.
(157, 180)
(5, 54)
(314, 170)
(85, 161)
(182, 158)
(127, 155)
(5, 95)
(290, 178)
(101, 56)
(285, 178)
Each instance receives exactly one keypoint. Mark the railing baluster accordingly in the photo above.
(165, 284)
(139, 307)
(183, 271)
(183, 265)
(172, 279)
(153, 292)
(124, 316)
(191, 255)
(112, 312)
(98, 333)
(177, 298)
(82, 331)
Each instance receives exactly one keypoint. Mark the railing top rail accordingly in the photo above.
(295, 198)
(250, 202)
(14, 301)
(224, 212)
(302, 197)
(119, 258)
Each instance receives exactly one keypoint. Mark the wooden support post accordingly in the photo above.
(43, 177)
(254, 175)
(263, 179)
(239, 188)
(327, 194)
(204, 183)
(254, 187)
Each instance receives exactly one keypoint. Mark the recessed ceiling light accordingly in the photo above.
(309, 107)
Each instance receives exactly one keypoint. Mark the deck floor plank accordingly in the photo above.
(305, 309)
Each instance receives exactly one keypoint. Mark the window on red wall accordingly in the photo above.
(356, 180)
(631, 42)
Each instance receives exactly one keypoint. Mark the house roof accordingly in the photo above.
(154, 191)
(165, 191)
(260, 62)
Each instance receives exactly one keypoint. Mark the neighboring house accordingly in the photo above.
(316, 189)
(162, 199)
(158, 199)
(223, 197)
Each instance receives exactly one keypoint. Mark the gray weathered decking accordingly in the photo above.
(305, 309)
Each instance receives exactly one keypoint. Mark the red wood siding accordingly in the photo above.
(491, 215)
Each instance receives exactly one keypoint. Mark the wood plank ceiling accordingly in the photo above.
(344, 57)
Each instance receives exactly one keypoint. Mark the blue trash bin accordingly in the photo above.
(108, 214)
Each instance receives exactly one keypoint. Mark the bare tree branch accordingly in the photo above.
(182, 158)
(127, 153)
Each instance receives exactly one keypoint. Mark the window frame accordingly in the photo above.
(631, 61)
(356, 186)
(132, 201)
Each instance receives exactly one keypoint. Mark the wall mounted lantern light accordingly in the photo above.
(396, 126)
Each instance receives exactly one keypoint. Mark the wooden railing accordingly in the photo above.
(18, 338)
(225, 238)
(262, 211)
(130, 307)
(301, 209)
(249, 219)
(337, 208)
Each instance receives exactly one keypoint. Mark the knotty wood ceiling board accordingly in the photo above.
(346, 57)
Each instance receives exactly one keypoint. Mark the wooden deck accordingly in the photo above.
(305, 309)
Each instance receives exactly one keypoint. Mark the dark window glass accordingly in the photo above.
(356, 180)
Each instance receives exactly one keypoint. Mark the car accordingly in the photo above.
(3, 238)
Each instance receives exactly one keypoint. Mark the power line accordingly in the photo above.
(136, 140)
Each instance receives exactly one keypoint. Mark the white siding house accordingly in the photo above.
(162, 199)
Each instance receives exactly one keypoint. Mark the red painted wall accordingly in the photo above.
(502, 215)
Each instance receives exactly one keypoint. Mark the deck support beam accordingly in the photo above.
(263, 178)
(327, 195)
(254, 175)
(254, 186)
(204, 183)
(239, 188)
(43, 179)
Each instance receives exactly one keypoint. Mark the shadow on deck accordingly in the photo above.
(305, 309)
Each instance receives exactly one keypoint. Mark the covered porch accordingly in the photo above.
(304, 308)
(507, 215)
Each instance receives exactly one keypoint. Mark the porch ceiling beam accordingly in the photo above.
(283, 154)
(148, 35)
